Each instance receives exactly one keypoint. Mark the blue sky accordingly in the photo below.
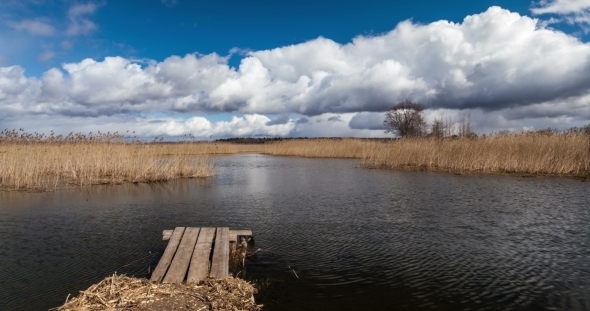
(237, 39)
(156, 30)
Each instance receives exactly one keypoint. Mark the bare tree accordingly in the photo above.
(437, 128)
(465, 126)
(442, 126)
(406, 118)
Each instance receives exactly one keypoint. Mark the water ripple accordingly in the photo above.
(356, 239)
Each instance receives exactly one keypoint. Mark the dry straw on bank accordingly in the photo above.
(119, 292)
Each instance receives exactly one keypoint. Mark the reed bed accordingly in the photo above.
(316, 148)
(560, 154)
(539, 154)
(49, 164)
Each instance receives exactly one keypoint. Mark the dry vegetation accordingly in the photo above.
(119, 292)
(49, 162)
(37, 162)
(541, 153)
(560, 154)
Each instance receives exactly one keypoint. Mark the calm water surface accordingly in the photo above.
(356, 238)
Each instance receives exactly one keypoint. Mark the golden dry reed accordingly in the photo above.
(29, 161)
(48, 163)
(562, 154)
(539, 154)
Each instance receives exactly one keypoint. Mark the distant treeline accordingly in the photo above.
(265, 140)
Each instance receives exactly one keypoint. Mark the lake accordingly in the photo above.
(333, 236)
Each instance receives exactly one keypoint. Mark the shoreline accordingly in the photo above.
(137, 294)
(47, 165)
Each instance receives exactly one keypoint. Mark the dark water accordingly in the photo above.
(356, 238)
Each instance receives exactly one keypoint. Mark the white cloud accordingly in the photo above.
(250, 125)
(573, 11)
(18, 94)
(561, 6)
(34, 27)
(506, 66)
(45, 56)
(148, 127)
(79, 22)
(322, 126)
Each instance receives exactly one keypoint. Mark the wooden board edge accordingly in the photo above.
(166, 234)
(166, 259)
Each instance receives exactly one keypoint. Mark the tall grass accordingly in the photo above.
(556, 154)
(319, 148)
(560, 154)
(33, 161)
(47, 163)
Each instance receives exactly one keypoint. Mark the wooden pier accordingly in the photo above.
(193, 254)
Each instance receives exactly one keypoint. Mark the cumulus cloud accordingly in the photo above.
(497, 62)
(252, 125)
(80, 24)
(199, 127)
(16, 91)
(34, 27)
(321, 126)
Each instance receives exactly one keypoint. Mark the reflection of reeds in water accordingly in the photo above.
(45, 163)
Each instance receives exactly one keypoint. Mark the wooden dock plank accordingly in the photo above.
(199, 267)
(233, 234)
(166, 259)
(166, 234)
(220, 262)
(182, 258)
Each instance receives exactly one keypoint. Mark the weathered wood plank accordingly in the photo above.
(166, 234)
(233, 234)
(199, 267)
(220, 262)
(166, 259)
(182, 258)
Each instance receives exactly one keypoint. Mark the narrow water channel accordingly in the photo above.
(332, 236)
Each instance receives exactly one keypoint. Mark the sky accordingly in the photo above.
(228, 68)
